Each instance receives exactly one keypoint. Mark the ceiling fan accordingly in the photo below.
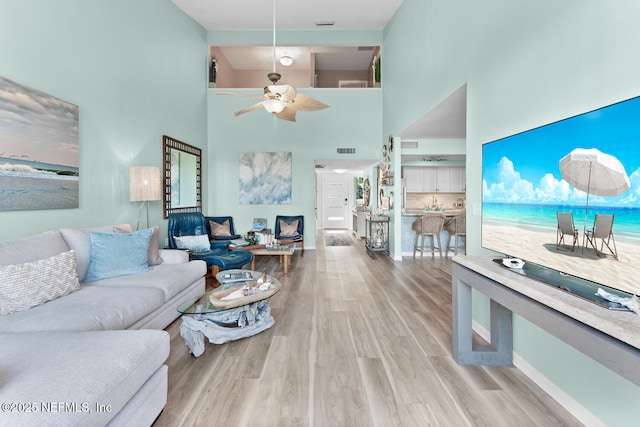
(281, 100)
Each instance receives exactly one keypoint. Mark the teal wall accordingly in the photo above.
(525, 64)
(353, 120)
(136, 69)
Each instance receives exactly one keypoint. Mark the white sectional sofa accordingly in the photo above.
(95, 355)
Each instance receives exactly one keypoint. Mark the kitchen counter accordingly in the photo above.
(446, 212)
(408, 235)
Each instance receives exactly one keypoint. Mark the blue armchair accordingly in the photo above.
(220, 220)
(217, 257)
(281, 233)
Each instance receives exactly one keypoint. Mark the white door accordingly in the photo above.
(336, 209)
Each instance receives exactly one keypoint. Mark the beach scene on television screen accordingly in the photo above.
(567, 196)
(39, 150)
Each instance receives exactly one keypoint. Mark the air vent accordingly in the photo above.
(409, 145)
(365, 48)
(346, 151)
(325, 23)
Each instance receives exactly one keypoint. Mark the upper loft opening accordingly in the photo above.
(311, 66)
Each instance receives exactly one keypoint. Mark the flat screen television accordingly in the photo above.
(525, 187)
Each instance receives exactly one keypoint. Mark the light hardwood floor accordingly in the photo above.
(358, 341)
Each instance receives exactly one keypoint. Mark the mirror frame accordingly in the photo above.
(168, 144)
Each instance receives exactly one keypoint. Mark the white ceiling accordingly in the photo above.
(294, 15)
(447, 120)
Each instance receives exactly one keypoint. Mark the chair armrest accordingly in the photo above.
(219, 244)
(174, 256)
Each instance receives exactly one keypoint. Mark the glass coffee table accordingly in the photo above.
(225, 314)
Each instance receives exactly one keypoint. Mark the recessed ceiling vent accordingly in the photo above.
(346, 151)
(325, 23)
(365, 48)
(409, 145)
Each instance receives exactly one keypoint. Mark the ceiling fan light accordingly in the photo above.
(274, 106)
(286, 60)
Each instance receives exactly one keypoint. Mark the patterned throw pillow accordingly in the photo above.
(27, 285)
(198, 244)
(220, 230)
(288, 230)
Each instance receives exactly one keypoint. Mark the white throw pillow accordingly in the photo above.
(27, 285)
(197, 244)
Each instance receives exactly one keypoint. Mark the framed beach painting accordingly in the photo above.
(39, 150)
(265, 178)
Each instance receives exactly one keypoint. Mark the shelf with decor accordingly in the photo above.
(377, 233)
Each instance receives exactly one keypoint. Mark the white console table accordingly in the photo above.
(610, 337)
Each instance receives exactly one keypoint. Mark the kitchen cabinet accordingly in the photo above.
(413, 178)
(429, 180)
(435, 179)
(457, 179)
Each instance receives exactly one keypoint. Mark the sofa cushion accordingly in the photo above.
(32, 248)
(82, 369)
(117, 254)
(29, 284)
(78, 240)
(198, 244)
(171, 279)
(92, 308)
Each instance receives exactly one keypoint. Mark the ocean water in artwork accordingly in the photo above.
(26, 185)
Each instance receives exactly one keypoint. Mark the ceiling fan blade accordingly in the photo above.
(288, 114)
(241, 95)
(306, 103)
(248, 109)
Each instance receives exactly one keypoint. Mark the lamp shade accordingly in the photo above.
(144, 183)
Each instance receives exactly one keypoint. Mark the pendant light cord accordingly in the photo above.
(274, 36)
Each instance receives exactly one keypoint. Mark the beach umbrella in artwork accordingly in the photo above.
(594, 172)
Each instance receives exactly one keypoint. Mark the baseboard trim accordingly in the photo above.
(563, 398)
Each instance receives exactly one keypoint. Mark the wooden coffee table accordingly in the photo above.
(285, 251)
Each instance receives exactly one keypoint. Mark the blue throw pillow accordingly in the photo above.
(117, 254)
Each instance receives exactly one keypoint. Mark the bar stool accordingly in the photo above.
(428, 226)
(457, 229)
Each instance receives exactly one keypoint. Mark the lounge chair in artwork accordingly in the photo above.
(566, 228)
(603, 230)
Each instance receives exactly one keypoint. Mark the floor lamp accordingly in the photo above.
(144, 186)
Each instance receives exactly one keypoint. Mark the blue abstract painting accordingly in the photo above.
(265, 178)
